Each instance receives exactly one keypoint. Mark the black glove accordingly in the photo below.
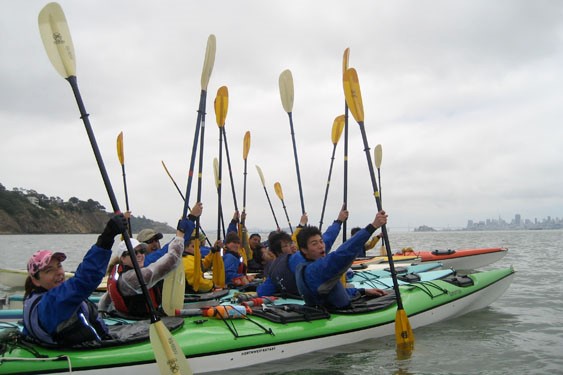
(215, 249)
(116, 225)
(183, 225)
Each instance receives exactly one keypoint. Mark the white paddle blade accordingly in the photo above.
(56, 39)
(208, 62)
(173, 290)
(286, 90)
(168, 354)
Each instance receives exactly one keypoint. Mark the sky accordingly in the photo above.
(464, 97)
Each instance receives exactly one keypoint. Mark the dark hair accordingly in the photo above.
(232, 237)
(305, 233)
(254, 235)
(355, 230)
(275, 239)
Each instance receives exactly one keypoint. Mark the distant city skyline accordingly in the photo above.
(517, 222)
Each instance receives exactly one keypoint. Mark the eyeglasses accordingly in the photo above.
(154, 239)
(137, 252)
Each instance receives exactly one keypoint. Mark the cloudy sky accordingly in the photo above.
(465, 98)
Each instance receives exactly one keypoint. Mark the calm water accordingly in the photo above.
(521, 333)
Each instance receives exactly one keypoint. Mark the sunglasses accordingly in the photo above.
(137, 252)
(154, 239)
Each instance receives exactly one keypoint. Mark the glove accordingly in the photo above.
(184, 225)
(116, 225)
(215, 249)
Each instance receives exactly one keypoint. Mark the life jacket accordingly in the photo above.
(281, 275)
(83, 326)
(135, 305)
(331, 293)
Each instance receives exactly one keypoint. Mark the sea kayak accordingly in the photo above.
(271, 332)
(462, 259)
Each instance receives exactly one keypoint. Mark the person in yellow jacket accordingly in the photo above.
(205, 285)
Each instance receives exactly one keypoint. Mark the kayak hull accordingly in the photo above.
(210, 346)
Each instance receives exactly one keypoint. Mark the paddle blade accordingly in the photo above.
(173, 290)
(216, 172)
(221, 105)
(56, 39)
(246, 145)
(345, 59)
(278, 190)
(218, 270)
(403, 334)
(208, 62)
(353, 94)
(378, 153)
(197, 265)
(168, 354)
(337, 128)
(261, 175)
(286, 90)
(120, 154)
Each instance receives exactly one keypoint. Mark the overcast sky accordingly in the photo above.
(465, 97)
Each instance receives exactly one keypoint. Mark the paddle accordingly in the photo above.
(245, 149)
(121, 157)
(403, 331)
(345, 58)
(279, 193)
(337, 127)
(286, 94)
(267, 195)
(58, 45)
(378, 155)
(182, 195)
(221, 105)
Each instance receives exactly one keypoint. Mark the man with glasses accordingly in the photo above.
(151, 238)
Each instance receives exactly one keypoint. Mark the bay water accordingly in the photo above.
(521, 333)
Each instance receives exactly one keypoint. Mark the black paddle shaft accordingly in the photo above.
(84, 116)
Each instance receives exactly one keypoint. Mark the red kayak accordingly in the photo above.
(462, 259)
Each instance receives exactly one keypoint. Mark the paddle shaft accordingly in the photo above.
(126, 199)
(345, 197)
(219, 189)
(271, 207)
(286, 216)
(379, 208)
(296, 163)
(84, 116)
(327, 186)
(229, 167)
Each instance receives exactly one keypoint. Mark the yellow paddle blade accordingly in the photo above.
(221, 105)
(208, 61)
(278, 189)
(56, 39)
(173, 290)
(168, 354)
(216, 172)
(246, 145)
(120, 148)
(261, 175)
(403, 334)
(345, 59)
(353, 94)
(286, 90)
(337, 128)
(218, 270)
(378, 153)
(197, 265)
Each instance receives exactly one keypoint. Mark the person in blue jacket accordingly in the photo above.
(280, 273)
(57, 311)
(234, 266)
(318, 276)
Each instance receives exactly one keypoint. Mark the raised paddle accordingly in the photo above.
(182, 195)
(345, 59)
(224, 135)
(221, 105)
(279, 193)
(58, 44)
(337, 127)
(220, 222)
(378, 156)
(286, 94)
(245, 149)
(121, 157)
(267, 195)
(403, 331)
(218, 266)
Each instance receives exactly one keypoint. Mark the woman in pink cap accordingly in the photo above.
(58, 312)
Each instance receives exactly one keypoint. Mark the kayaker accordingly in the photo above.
(280, 273)
(370, 244)
(205, 285)
(235, 268)
(124, 295)
(151, 238)
(318, 275)
(255, 243)
(58, 312)
(238, 226)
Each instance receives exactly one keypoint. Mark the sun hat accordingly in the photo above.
(40, 259)
(147, 234)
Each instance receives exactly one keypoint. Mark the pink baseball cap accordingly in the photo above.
(41, 259)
